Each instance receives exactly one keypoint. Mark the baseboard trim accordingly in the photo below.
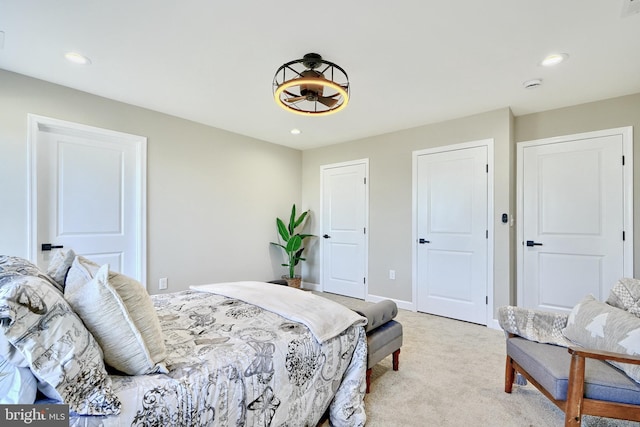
(493, 324)
(405, 305)
(311, 286)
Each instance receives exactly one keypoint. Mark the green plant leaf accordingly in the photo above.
(292, 219)
(282, 230)
(294, 244)
(300, 220)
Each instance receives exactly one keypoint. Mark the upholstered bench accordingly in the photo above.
(384, 335)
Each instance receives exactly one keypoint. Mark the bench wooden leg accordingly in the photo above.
(396, 360)
(368, 379)
(509, 376)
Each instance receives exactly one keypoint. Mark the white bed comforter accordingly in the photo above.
(232, 363)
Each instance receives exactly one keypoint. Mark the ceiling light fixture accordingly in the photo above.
(311, 86)
(77, 58)
(554, 59)
(295, 131)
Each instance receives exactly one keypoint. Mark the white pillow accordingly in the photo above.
(17, 385)
(120, 314)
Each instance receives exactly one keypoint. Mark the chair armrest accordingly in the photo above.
(604, 355)
(378, 314)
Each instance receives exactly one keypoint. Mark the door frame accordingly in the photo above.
(489, 144)
(627, 178)
(364, 161)
(38, 123)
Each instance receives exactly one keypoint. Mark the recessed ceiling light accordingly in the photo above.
(77, 58)
(554, 59)
(296, 131)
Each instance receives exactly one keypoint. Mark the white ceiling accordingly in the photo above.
(410, 62)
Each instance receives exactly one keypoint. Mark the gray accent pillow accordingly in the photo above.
(625, 294)
(120, 314)
(596, 325)
(37, 321)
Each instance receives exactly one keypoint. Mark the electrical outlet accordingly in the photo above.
(163, 283)
(392, 274)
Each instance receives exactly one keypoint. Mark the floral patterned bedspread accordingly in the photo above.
(234, 364)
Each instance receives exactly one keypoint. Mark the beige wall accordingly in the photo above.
(212, 195)
(390, 196)
(609, 113)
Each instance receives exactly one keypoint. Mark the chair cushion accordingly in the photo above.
(549, 366)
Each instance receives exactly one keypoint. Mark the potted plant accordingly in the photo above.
(292, 244)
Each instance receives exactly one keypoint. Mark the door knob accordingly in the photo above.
(531, 243)
(423, 241)
(49, 246)
(326, 236)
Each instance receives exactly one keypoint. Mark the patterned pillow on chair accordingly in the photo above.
(596, 325)
(625, 294)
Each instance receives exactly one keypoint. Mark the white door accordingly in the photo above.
(572, 218)
(88, 194)
(452, 233)
(344, 221)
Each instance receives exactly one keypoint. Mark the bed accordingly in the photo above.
(242, 354)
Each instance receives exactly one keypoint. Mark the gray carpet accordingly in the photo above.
(452, 374)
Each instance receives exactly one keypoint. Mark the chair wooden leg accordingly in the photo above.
(396, 360)
(509, 376)
(368, 376)
(575, 392)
